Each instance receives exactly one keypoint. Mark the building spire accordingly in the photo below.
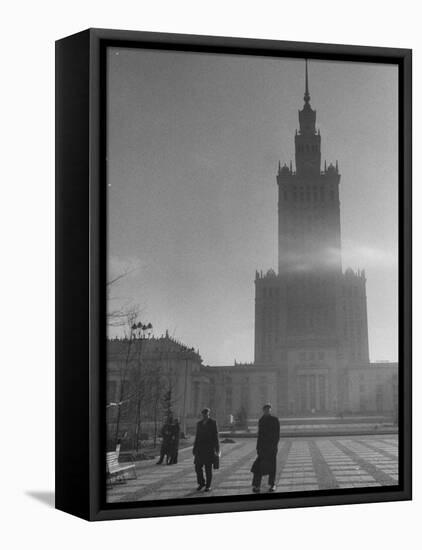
(306, 97)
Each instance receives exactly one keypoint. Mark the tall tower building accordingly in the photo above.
(310, 318)
(308, 204)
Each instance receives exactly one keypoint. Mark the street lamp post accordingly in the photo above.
(141, 332)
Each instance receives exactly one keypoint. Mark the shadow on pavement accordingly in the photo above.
(45, 497)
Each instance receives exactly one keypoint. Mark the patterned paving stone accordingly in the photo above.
(303, 464)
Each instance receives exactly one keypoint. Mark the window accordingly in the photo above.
(245, 393)
(312, 392)
(195, 398)
(212, 394)
(320, 355)
(263, 391)
(379, 402)
(322, 392)
(229, 399)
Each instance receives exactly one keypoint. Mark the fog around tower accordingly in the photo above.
(194, 144)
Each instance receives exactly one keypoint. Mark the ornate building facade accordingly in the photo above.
(144, 377)
(311, 326)
(310, 317)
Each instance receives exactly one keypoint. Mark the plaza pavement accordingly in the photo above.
(303, 464)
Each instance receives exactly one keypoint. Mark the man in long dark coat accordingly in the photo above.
(206, 449)
(266, 448)
(165, 442)
(174, 441)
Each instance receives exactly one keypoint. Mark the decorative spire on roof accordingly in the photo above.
(306, 97)
(307, 116)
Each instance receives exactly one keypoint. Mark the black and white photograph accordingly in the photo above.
(209, 255)
(252, 275)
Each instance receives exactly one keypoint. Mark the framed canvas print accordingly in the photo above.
(233, 274)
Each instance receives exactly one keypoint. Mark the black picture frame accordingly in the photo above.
(80, 272)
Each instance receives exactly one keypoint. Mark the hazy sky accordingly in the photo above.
(193, 145)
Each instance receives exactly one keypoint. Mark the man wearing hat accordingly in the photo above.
(205, 449)
(266, 448)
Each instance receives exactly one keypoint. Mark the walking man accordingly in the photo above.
(266, 448)
(205, 449)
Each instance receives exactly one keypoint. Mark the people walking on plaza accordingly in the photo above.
(166, 432)
(174, 441)
(266, 448)
(205, 449)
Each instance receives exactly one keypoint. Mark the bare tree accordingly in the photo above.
(124, 367)
(140, 385)
(117, 317)
(124, 316)
(156, 390)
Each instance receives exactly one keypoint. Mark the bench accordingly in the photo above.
(116, 469)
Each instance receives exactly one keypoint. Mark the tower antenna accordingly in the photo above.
(306, 97)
